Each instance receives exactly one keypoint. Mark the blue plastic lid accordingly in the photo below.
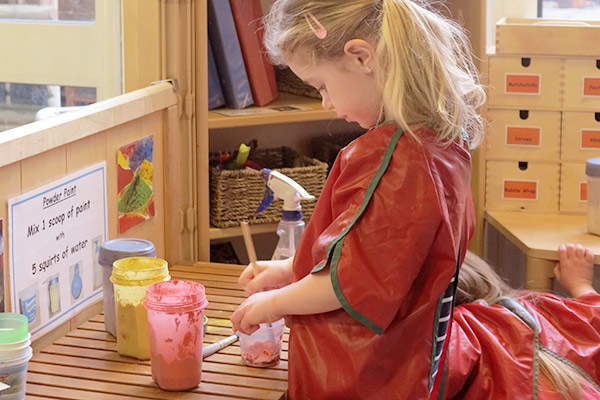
(113, 250)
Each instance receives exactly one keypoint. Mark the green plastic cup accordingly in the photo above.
(13, 327)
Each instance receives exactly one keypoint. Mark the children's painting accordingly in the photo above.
(134, 183)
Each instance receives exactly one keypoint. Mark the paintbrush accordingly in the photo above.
(250, 249)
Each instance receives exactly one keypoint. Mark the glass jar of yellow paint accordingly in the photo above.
(130, 277)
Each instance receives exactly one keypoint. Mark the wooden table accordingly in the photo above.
(85, 364)
(538, 236)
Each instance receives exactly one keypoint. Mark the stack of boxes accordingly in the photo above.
(544, 114)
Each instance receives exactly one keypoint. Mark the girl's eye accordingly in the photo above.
(322, 89)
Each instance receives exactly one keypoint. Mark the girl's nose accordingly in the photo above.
(326, 102)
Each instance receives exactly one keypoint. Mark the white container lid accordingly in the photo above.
(592, 167)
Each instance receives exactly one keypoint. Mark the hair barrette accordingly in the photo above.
(320, 30)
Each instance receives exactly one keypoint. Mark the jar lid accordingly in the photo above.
(115, 249)
(175, 296)
(13, 327)
(139, 271)
(592, 167)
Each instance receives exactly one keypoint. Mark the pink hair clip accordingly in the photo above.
(321, 32)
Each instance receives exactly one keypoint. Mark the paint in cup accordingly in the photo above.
(131, 276)
(263, 347)
(109, 252)
(176, 327)
(15, 353)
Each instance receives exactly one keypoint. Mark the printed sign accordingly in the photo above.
(590, 139)
(521, 136)
(523, 84)
(526, 190)
(591, 86)
(582, 191)
(55, 232)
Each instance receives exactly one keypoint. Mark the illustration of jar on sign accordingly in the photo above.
(76, 282)
(30, 305)
(54, 295)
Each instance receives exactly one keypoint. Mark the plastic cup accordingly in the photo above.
(263, 347)
(176, 327)
(109, 252)
(15, 353)
(131, 276)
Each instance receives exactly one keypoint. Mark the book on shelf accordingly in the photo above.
(247, 15)
(228, 55)
(215, 92)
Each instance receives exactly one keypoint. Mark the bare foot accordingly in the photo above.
(575, 269)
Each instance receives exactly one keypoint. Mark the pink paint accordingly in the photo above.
(175, 326)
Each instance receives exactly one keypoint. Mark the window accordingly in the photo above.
(569, 9)
(66, 53)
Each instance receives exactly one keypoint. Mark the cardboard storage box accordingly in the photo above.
(547, 37)
(573, 188)
(580, 136)
(522, 186)
(582, 83)
(523, 135)
(525, 82)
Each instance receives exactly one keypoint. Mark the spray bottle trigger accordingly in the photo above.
(266, 201)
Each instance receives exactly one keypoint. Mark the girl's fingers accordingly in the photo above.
(579, 251)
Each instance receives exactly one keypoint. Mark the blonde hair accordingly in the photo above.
(478, 280)
(425, 72)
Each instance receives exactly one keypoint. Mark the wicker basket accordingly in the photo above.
(288, 82)
(236, 194)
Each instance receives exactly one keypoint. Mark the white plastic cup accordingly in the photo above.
(592, 174)
(13, 372)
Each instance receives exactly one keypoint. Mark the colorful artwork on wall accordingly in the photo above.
(135, 201)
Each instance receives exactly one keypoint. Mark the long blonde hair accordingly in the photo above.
(425, 71)
(478, 280)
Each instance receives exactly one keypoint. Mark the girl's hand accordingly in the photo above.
(575, 269)
(255, 310)
(266, 275)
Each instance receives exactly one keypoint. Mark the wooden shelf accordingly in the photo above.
(316, 113)
(224, 233)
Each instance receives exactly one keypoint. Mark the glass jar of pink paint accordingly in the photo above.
(175, 327)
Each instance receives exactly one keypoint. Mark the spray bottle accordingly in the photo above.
(291, 225)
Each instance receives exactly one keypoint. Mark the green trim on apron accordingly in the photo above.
(337, 243)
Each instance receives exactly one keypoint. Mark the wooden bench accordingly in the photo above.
(85, 364)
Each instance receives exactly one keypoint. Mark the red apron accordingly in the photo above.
(491, 349)
(388, 226)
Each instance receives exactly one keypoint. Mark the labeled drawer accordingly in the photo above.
(580, 136)
(582, 84)
(522, 185)
(523, 135)
(525, 82)
(573, 188)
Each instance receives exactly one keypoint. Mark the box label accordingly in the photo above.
(520, 136)
(590, 139)
(582, 191)
(520, 190)
(591, 86)
(523, 84)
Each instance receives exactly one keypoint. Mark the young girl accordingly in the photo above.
(504, 338)
(370, 288)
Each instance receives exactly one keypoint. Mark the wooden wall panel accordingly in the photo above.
(10, 178)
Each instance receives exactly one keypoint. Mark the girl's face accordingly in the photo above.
(344, 85)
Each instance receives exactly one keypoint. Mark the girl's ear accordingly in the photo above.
(360, 55)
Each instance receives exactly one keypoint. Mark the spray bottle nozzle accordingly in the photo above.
(283, 187)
